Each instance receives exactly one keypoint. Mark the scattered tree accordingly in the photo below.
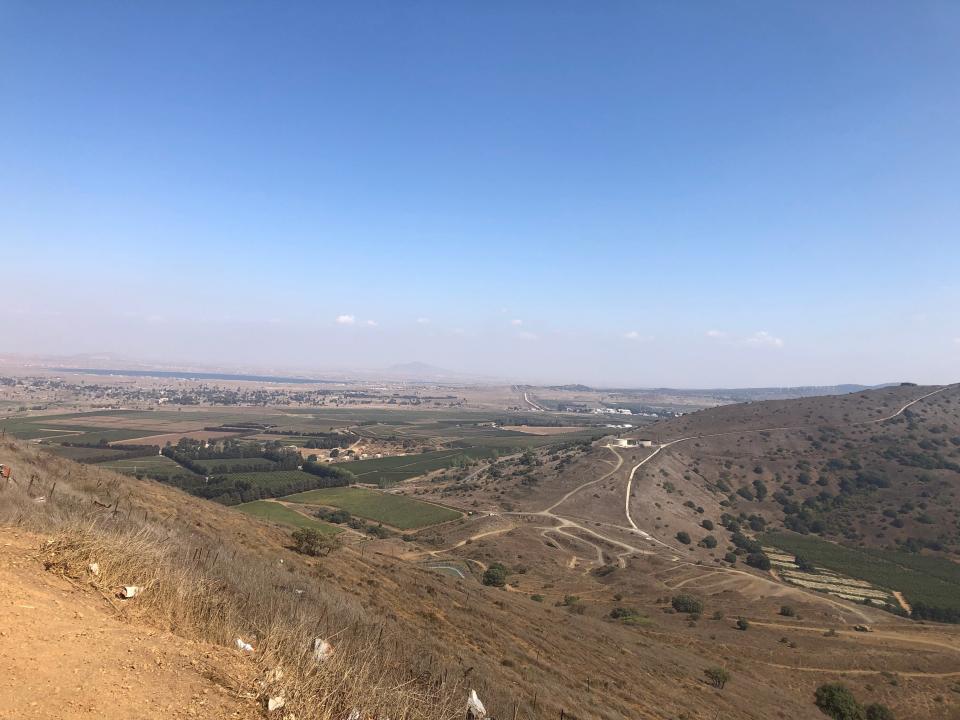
(836, 701)
(309, 541)
(496, 575)
(718, 677)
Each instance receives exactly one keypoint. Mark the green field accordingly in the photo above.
(395, 510)
(230, 463)
(155, 466)
(390, 470)
(922, 579)
(284, 516)
(84, 453)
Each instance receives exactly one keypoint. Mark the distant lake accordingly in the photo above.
(184, 375)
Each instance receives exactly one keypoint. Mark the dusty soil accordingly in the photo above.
(175, 437)
(534, 430)
(66, 655)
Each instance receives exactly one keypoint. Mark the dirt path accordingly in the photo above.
(902, 601)
(65, 655)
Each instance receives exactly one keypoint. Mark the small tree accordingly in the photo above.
(876, 711)
(787, 611)
(718, 677)
(758, 560)
(683, 537)
(687, 604)
(310, 541)
(836, 701)
(743, 623)
(496, 575)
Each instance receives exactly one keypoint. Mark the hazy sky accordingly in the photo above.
(646, 193)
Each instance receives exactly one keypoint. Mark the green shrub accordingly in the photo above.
(496, 575)
(718, 677)
(686, 603)
(309, 541)
(836, 701)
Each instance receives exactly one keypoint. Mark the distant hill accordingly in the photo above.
(876, 469)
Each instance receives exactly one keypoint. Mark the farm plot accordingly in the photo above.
(236, 488)
(929, 582)
(229, 465)
(154, 466)
(283, 515)
(395, 510)
(390, 470)
(81, 454)
(827, 581)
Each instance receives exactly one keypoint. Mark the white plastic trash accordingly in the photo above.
(354, 715)
(130, 591)
(322, 650)
(275, 703)
(94, 568)
(241, 645)
(475, 708)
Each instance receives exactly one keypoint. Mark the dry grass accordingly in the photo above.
(220, 595)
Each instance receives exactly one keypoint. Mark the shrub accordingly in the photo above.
(709, 542)
(496, 575)
(683, 537)
(758, 560)
(687, 604)
(743, 623)
(876, 711)
(707, 524)
(718, 677)
(309, 541)
(836, 701)
(787, 611)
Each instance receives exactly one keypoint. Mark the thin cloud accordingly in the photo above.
(346, 320)
(423, 321)
(516, 323)
(634, 335)
(372, 323)
(525, 335)
(762, 338)
(716, 334)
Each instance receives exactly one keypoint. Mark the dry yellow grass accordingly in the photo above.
(220, 595)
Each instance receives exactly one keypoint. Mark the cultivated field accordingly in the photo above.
(281, 514)
(921, 579)
(395, 510)
(155, 466)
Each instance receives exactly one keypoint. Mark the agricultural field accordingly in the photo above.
(81, 454)
(397, 511)
(158, 467)
(390, 470)
(827, 581)
(927, 580)
(283, 515)
(260, 464)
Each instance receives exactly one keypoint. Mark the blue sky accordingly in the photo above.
(657, 193)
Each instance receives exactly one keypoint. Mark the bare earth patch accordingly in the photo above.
(546, 430)
(66, 655)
